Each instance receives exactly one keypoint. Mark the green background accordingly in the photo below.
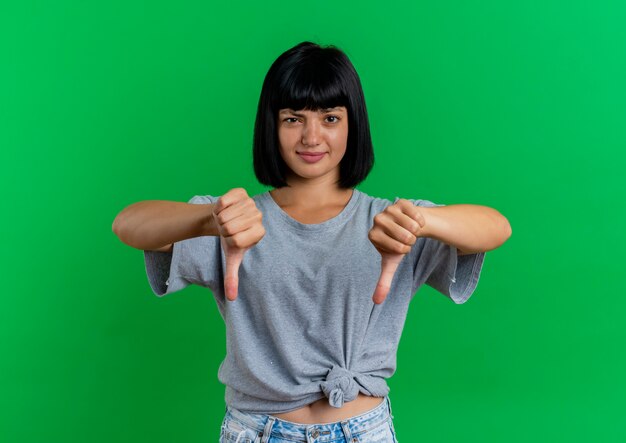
(519, 106)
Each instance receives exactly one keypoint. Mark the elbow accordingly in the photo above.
(115, 227)
(500, 233)
(505, 229)
(118, 226)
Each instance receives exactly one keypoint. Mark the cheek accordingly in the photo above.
(340, 139)
(281, 151)
(341, 135)
(286, 138)
(281, 146)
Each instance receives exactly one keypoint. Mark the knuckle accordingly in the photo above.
(237, 241)
(228, 230)
(399, 248)
(234, 195)
(415, 227)
(219, 203)
(220, 219)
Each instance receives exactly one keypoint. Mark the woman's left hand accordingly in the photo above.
(395, 230)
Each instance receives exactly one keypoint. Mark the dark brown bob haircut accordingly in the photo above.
(309, 76)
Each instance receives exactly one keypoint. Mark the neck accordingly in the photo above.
(311, 194)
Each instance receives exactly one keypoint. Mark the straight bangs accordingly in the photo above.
(310, 86)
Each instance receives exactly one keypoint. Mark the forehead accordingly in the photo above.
(319, 111)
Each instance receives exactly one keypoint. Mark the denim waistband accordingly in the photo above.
(269, 425)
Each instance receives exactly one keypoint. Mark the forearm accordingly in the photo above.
(151, 224)
(471, 228)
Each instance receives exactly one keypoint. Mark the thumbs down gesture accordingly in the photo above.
(394, 232)
(240, 226)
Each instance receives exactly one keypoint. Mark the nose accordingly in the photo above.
(311, 134)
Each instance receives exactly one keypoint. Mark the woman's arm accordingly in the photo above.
(470, 228)
(153, 224)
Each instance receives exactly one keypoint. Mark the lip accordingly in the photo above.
(311, 157)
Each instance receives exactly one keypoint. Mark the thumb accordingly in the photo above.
(388, 266)
(234, 256)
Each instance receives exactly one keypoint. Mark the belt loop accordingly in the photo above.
(389, 404)
(268, 429)
(346, 431)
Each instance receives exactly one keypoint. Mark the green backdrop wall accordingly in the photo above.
(519, 106)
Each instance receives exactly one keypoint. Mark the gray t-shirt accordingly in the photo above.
(304, 325)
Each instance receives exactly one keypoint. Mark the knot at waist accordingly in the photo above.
(340, 386)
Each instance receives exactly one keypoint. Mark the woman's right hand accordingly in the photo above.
(239, 223)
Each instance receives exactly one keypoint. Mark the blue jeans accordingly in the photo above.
(373, 426)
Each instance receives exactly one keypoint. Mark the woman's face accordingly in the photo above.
(323, 132)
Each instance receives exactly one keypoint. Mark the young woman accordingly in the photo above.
(313, 278)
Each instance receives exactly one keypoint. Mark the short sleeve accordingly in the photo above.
(195, 260)
(439, 266)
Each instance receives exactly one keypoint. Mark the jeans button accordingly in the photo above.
(315, 433)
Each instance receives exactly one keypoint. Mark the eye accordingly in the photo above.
(290, 118)
(335, 117)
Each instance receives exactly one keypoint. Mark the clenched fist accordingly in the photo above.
(238, 222)
(395, 230)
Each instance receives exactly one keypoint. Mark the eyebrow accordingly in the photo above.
(291, 111)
